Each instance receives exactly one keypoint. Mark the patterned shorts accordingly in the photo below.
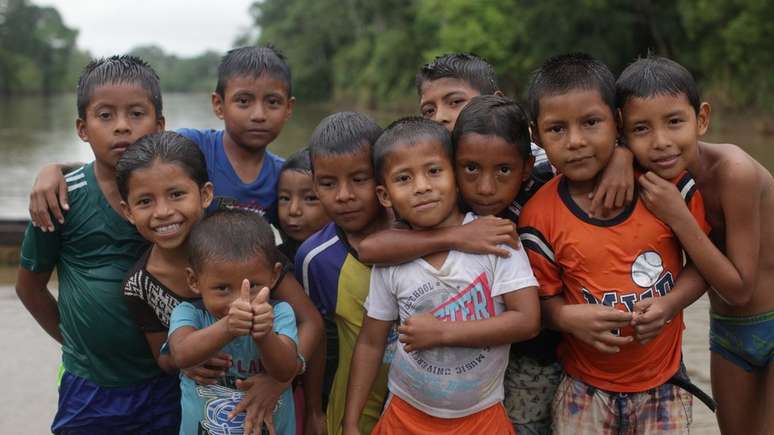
(529, 390)
(581, 409)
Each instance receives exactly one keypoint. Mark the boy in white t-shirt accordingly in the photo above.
(464, 309)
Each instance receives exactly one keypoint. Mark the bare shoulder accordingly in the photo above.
(731, 167)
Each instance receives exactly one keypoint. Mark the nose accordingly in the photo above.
(575, 138)
(421, 184)
(486, 185)
(294, 208)
(122, 123)
(258, 114)
(444, 117)
(162, 209)
(661, 140)
(344, 192)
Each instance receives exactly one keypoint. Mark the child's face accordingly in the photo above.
(489, 172)
(442, 100)
(663, 132)
(419, 185)
(253, 109)
(300, 212)
(116, 116)
(163, 202)
(220, 282)
(578, 131)
(347, 190)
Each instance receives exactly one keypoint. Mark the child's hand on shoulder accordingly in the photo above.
(48, 196)
(663, 199)
(485, 235)
(616, 186)
(421, 331)
(240, 314)
(263, 315)
(593, 324)
(650, 317)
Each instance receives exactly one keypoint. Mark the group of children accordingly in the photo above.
(401, 299)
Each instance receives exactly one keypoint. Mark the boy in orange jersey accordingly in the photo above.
(609, 285)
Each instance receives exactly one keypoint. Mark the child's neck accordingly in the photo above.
(580, 192)
(168, 266)
(380, 222)
(106, 180)
(455, 218)
(247, 162)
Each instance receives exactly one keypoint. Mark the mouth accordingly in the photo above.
(578, 160)
(425, 205)
(348, 214)
(293, 228)
(120, 146)
(666, 161)
(166, 230)
(259, 131)
(484, 208)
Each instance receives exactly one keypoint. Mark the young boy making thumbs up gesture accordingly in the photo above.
(233, 265)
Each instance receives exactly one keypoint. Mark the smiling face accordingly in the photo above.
(220, 282)
(578, 131)
(490, 172)
(117, 115)
(442, 100)
(300, 212)
(662, 132)
(164, 202)
(419, 185)
(346, 187)
(254, 110)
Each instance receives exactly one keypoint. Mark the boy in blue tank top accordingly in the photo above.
(111, 381)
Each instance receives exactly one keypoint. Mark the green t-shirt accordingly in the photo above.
(92, 252)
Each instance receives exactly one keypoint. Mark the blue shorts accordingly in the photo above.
(745, 341)
(152, 407)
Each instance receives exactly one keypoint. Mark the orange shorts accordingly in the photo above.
(400, 418)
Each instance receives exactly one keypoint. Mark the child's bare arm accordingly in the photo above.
(49, 195)
(590, 323)
(366, 361)
(616, 187)
(190, 346)
(32, 289)
(481, 236)
(651, 314)
(163, 360)
(733, 274)
(520, 321)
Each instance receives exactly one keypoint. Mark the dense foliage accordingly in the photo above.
(370, 49)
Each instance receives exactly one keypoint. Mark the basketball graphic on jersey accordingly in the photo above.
(646, 269)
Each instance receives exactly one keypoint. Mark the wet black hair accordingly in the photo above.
(497, 116)
(343, 133)
(568, 72)
(408, 131)
(299, 161)
(165, 147)
(252, 62)
(117, 70)
(231, 235)
(656, 75)
(477, 72)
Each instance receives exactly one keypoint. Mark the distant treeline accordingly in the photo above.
(369, 50)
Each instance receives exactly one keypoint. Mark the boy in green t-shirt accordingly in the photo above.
(111, 381)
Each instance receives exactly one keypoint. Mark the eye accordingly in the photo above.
(274, 101)
(243, 101)
(675, 121)
(137, 113)
(142, 202)
(555, 129)
(283, 198)
(311, 198)
(639, 129)
(428, 111)
(222, 288)
(435, 170)
(591, 122)
(504, 170)
(104, 115)
(402, 178)
(177, 194)
(471, 168)
(325, 184)
(456, 102)
(360, 178)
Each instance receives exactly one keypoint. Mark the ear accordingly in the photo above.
(534, 134)
(276, 274)
(529, 164)
(161, 122)
(291, 105)
(703, 117)
(217, 105)
(206, 194)
(191, 279)
(80, 127)
(127, 212)
(383, 196)
(499, 93)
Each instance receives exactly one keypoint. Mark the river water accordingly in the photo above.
(36, 130)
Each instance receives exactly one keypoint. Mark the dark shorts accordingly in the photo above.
(85, 408)
(748, 342)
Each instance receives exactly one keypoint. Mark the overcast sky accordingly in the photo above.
(182, 27)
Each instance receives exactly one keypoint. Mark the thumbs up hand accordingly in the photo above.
(240, 315)
(263, 315)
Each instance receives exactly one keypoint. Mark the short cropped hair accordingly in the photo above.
(165, 147)
(231, 235)
(496, 116)
(343, 133)
(252, 62)
(477, 72)
(568, 72)
(299, 161)
(408, 131)
(656, 75)
(117, 70)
